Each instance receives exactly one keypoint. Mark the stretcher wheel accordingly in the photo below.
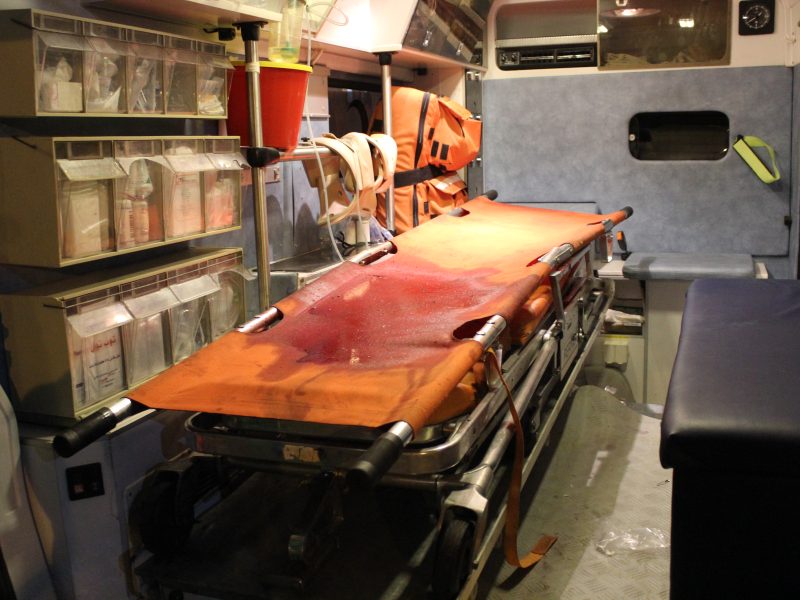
(163, 523)
(453, 558)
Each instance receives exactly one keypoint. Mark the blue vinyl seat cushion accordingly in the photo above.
(677, 266)
(734, 395)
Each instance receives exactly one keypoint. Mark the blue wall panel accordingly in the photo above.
(565, 139)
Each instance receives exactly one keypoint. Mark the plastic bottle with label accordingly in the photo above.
(142, 188)
(125, 236)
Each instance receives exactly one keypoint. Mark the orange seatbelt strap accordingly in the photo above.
(514, 489)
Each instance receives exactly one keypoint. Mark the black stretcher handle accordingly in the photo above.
(379, 458)
(491, 194)
(628, 211)
(86, 431)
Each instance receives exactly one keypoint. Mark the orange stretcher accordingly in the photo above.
(418, 363)
(373, 344)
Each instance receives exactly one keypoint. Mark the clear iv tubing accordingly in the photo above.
(307, 21)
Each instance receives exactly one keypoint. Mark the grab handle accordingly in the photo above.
(86, 431)
(380, 456)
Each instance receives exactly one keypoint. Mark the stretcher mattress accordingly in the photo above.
(374, 344)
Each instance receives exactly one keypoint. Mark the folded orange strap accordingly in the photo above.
(514, 489)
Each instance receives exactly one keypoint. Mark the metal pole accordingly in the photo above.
(305, 153)
(385, 59)
(250, 34)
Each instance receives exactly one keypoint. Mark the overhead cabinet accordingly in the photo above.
(612, 34)
(419, 31)
(654, 33)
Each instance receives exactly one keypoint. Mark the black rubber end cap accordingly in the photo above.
(66, 443)
(261, 157)
(375, 461)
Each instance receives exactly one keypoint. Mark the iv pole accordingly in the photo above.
(385, 60)
(258, 157)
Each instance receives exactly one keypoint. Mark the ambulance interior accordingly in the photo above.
(562, 234)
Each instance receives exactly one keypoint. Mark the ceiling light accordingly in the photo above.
(629, 12)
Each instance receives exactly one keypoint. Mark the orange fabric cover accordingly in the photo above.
(371, 345)
(526, 320)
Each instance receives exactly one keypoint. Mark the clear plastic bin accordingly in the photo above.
(146, 338)
(180, 77)
(223, 190)
(59, 60)
(146, 79)
(212, 91)
(85, 198)
(96, 355)
(104, 75)
(139, 197)
(190, 320)
(225, 306)
(183, 200)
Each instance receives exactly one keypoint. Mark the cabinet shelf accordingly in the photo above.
(214, 12)
(68, 66)
(80, 343)
(104, 196)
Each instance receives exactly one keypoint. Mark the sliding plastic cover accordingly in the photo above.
(374, 344)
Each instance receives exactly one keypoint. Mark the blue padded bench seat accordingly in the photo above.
(687, 267)
(731, 431)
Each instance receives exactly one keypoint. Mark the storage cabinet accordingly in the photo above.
(63, 65)
(81, 343)
(680, 33)
(95, 197)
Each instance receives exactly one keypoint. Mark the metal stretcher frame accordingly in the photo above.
(541, 373)
(462, 467)
(333, 446)
(460, 459)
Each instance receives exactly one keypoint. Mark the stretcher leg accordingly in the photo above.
(312, 535)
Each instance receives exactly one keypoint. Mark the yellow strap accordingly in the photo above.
(744, 148)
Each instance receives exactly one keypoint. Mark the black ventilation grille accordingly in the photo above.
(547, 57)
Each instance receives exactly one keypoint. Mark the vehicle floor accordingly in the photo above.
(599, 474)
(602, 476)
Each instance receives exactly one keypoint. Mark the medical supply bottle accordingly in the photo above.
(125, 222)
(143, 188)
(284, 35)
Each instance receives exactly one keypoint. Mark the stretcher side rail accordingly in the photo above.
(209, 437)
(212, 436)
(272, 315)
(467, 498)
(384, 452)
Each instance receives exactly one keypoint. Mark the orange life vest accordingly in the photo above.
(435, 136)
